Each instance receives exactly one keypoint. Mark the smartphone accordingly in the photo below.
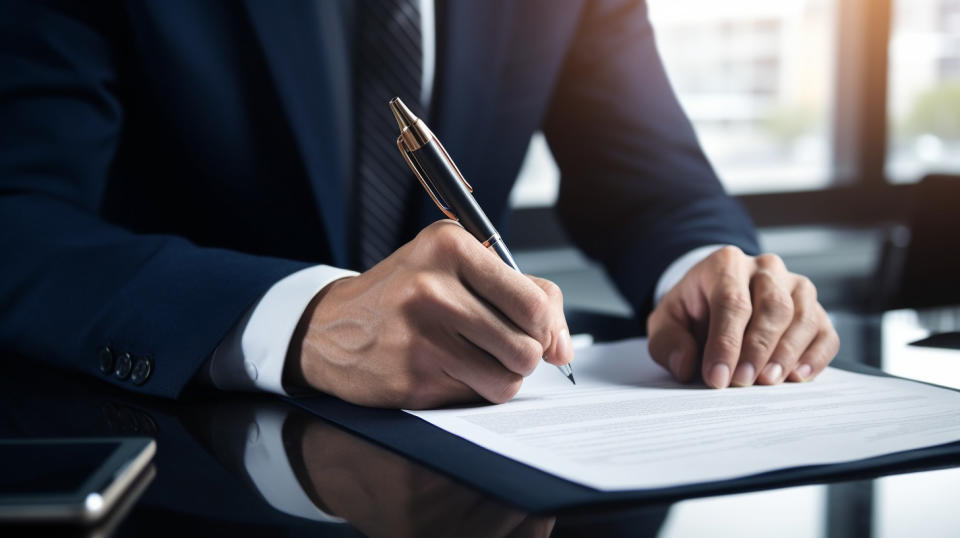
(68, 480)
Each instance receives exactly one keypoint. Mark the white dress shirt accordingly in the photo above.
(252, 355)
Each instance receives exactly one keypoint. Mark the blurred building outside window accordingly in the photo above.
(924, 89)
(756, 79)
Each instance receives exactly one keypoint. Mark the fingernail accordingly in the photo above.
(744, 374)
(567, 344)
(674, 362)
(720, 375)
(772, 372)
(804, 371)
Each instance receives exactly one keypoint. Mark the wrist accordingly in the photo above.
(675, 272)
(294, 376)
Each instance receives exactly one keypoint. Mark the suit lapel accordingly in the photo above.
(471, 47)
(310, 87)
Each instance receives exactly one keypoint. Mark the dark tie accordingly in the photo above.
(388, 64)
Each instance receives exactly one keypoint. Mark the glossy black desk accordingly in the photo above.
(243, 465)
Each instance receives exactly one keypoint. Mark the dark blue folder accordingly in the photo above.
(536, 491)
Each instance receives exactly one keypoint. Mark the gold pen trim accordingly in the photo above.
(418, 135)
(492, 240)
(415, 134)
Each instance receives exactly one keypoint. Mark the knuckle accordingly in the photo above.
(431, 233)
(787, 351)
(726, 344)
(535, 307)
(508, 389)
(833, 343)
(424, 288)
(820, 358)
(770, 262)
(446, 238)
(438, 227)
(807, 320)
(826, 352)
(805, 287)
(528, 356)
(552, 290)
(733, 302)
(727, 255)
(760, 343)
(775, 305)
(764, 278)
(813, 319)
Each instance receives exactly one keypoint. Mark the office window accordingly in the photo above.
(539, 180)
(756, 79)
(924, 89)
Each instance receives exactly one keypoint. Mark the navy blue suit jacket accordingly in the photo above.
(162, 164)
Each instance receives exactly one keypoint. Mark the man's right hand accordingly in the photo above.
(441, 320)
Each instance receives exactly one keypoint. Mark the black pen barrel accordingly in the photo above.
(443, 177)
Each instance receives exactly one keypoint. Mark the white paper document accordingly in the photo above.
(627, 425)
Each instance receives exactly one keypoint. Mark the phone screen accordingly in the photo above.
(49, 468)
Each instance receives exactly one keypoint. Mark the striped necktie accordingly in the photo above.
(388, 63)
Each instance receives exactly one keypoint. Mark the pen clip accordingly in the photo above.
(453, 165)
(422, 178)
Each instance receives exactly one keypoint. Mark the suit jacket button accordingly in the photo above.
(142, 368)
(123, 366)
(106, 360)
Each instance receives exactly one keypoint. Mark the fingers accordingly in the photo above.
(560, 350)
(804, 326)
(772, 313)
(519, 299)
(535, 306)
(818, 355)
(672, 345)
(488, 330)
(730, 312)
(763, 323)
(484, 374)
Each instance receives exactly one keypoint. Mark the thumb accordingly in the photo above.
(560, 350)
(672, 345)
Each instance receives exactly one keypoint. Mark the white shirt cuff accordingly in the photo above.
(252, 355)
(678, 269)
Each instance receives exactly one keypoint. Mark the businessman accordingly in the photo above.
(209, 192)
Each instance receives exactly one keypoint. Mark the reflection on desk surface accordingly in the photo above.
(248, 465)
(308, 468)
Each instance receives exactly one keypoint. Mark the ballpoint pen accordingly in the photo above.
(446, 186)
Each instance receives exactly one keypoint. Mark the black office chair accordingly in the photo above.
(920, 264)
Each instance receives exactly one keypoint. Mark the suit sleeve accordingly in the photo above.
(73, 285)
(636, 190)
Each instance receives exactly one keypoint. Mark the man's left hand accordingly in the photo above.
(751, 321)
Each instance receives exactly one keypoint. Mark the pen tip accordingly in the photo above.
(572, 380)
(401, 113)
